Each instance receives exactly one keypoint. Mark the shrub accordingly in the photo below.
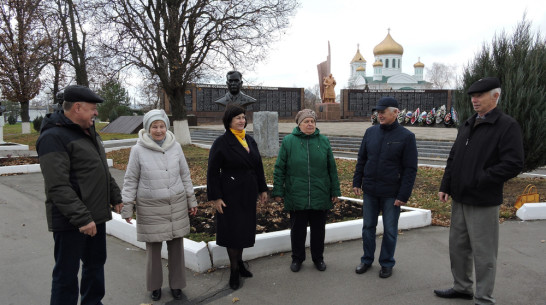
(37, 123)
(12, 120)
(113, 115)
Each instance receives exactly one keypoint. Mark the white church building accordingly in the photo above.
(387, 69)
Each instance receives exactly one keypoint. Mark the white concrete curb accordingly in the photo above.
(275, 242)
(201, 256)
(31, 168)
(196, 254)
(20, 169)
(131, 141)
(532, 211)
(14, 146)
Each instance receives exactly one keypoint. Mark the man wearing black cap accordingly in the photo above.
(385, 171)
(80, 193)
(487, 152)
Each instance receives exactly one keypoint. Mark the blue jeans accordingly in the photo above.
(70, 248)
(371, 207)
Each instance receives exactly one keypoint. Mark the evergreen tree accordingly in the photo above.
(519, 61)
(116, 99)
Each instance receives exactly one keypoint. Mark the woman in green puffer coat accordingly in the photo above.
(305, 177)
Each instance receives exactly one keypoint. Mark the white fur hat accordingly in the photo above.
(155, 115)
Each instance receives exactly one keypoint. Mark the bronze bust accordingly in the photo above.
(235, 96)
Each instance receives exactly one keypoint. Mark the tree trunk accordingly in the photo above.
(81, 74)
(178, 103)
(178, 111)
(182, 132)
(25, 117)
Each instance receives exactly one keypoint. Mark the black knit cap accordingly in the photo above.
(483, 85)
(78, 93)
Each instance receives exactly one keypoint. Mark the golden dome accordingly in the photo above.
(419, 64)
(361, 69)
(358, 57)
(378, 63)
(388, 46)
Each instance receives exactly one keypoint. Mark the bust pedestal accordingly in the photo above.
(328, 111)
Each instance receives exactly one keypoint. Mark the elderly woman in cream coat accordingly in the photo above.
(158, 183)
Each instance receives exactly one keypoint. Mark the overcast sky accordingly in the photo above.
(449, 32)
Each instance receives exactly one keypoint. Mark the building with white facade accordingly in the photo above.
(387, 69)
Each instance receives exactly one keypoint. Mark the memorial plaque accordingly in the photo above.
(360, 102)
(284, 101)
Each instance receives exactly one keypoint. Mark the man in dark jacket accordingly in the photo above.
(487, 152)
(79, 195)
(385, 171)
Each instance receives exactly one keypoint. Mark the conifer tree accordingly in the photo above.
(519, 61)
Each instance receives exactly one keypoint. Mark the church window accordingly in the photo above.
(386, 63)
(398, 63)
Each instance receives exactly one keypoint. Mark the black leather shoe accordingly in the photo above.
(321, 266)
(295, 266)
(385, 272)
(156, 295)
(243, 271)
(452, 294)
(177, 294)
(234, 280)
(362, 268)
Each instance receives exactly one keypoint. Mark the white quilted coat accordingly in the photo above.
(157, 181)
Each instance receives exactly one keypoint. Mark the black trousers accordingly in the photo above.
(70, 248)
(298, 233)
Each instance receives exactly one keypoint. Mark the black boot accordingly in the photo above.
(156, 295)
(234, 279)
(243, 271)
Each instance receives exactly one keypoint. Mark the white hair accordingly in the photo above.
(496, 90)
(393, 109)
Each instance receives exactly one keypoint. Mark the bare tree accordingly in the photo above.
(75, 37)
(81, 29)
(181, 41)
(442, 76)
(311, 96)
(54, 75)
(23, 51)
(150, 93)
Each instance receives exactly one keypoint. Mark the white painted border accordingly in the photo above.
(275, 242)
(532, 211)
(20, 169)
(202, 256)
(196, 254)
(31, 168)
(14, 146)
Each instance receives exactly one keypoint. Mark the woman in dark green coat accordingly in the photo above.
(305, 177)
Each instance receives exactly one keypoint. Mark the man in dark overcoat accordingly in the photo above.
(487, 152)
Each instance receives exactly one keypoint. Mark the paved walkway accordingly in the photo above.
(26, 257)
(356, 129)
